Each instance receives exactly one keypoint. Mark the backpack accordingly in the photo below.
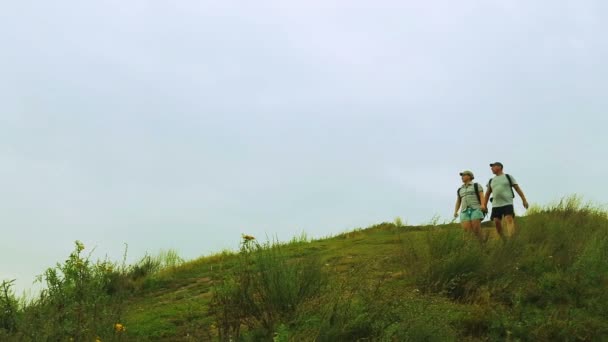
(475, 187)
(510, 183)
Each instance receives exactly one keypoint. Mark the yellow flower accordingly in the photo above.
(248, 237)
(119, 327)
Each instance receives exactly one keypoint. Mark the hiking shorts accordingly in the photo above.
(499, 212)
(470, 214)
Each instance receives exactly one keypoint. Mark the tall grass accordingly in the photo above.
(264, 290)
(371, 309)
(152, 264)
(8, 308)
(543, 284)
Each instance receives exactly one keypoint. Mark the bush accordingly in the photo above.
(8, 307)
(264, 290)
(75, 302)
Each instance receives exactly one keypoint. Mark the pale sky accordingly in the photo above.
(182, 124)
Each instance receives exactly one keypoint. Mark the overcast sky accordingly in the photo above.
(182, 124)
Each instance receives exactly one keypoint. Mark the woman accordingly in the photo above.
(469, 202)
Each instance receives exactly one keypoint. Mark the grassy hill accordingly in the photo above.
(387, 282)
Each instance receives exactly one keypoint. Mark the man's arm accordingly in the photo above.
(458, 201)
(521, 194)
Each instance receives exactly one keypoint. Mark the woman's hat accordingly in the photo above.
(467, 172)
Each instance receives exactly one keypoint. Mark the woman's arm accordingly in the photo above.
(486, 199)
(457, 206)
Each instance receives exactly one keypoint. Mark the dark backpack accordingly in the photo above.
(510, 183)
(475, 187)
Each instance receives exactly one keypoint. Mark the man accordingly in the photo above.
(470, 197)
(502, 185)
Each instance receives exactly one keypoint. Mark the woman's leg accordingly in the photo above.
(476, 219)
(466, 225)
(476, 228)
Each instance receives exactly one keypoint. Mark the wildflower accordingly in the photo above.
(79, 246)
(248, 238)
(119, 328)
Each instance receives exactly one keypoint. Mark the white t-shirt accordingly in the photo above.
(501, 190)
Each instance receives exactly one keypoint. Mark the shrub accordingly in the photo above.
(77, 303)
(8, 307)
(264, 290)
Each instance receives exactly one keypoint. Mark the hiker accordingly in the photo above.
(470, 196)
(502, 185)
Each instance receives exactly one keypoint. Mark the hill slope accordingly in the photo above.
(393, 283)
(385, 283)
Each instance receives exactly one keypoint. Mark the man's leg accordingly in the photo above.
(498, 224)
(510, 225)
(497, 216)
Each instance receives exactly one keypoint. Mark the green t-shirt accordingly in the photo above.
(501, 190)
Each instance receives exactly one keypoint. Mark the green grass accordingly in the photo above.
(389, 282)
